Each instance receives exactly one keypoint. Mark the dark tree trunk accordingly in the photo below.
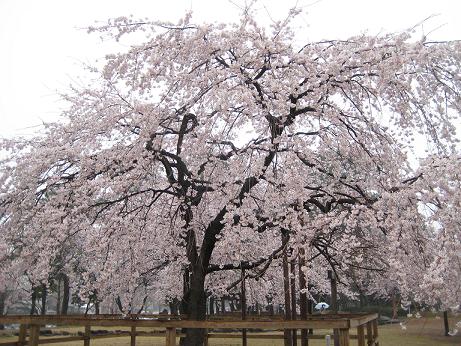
(195, 297)
(44, 296)
(58, 299)
(223, 305)
(445, 323)
(238, 303)
(65, 294)
(174, 306)
(185, 291)
(270, 309)
(2, 307)
(232, 305)
(211, 305)
(334, 292)
(96, 308)
(395, 305)
(33, 308)
(196, 307)
(119, 304)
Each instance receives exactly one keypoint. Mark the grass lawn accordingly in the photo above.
(426, 331)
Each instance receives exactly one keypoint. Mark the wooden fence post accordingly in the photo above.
(22, 335)
(34, 334)
(375, 332)
(133, 336)
(369, 334)
(361, 336)
(171, 336)
(343, 337)
(87, 336)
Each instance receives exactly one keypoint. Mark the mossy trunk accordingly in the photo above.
(195, 303)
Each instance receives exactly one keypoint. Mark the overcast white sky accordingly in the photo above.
(42, 48)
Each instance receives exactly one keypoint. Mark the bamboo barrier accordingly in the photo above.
(29, 331)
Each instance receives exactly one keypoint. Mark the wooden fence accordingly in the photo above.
(29, 327)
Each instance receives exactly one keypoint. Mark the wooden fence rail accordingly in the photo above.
(29, 330)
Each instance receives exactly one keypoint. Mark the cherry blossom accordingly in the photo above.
(211, 148)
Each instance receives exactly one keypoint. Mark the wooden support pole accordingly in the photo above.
(334, 302)
(310, 307)
(22, 335)
(133, 336)
(344, 337)
(375, 332)
(34, 335)
(360, 336)
(334, 292)
(302, 295)
(244, 306)
(445, 323)
(369, 333)
(170, 336)
(87, 336)
(293, 299)
(286, 287)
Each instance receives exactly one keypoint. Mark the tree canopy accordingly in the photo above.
(211, 148)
